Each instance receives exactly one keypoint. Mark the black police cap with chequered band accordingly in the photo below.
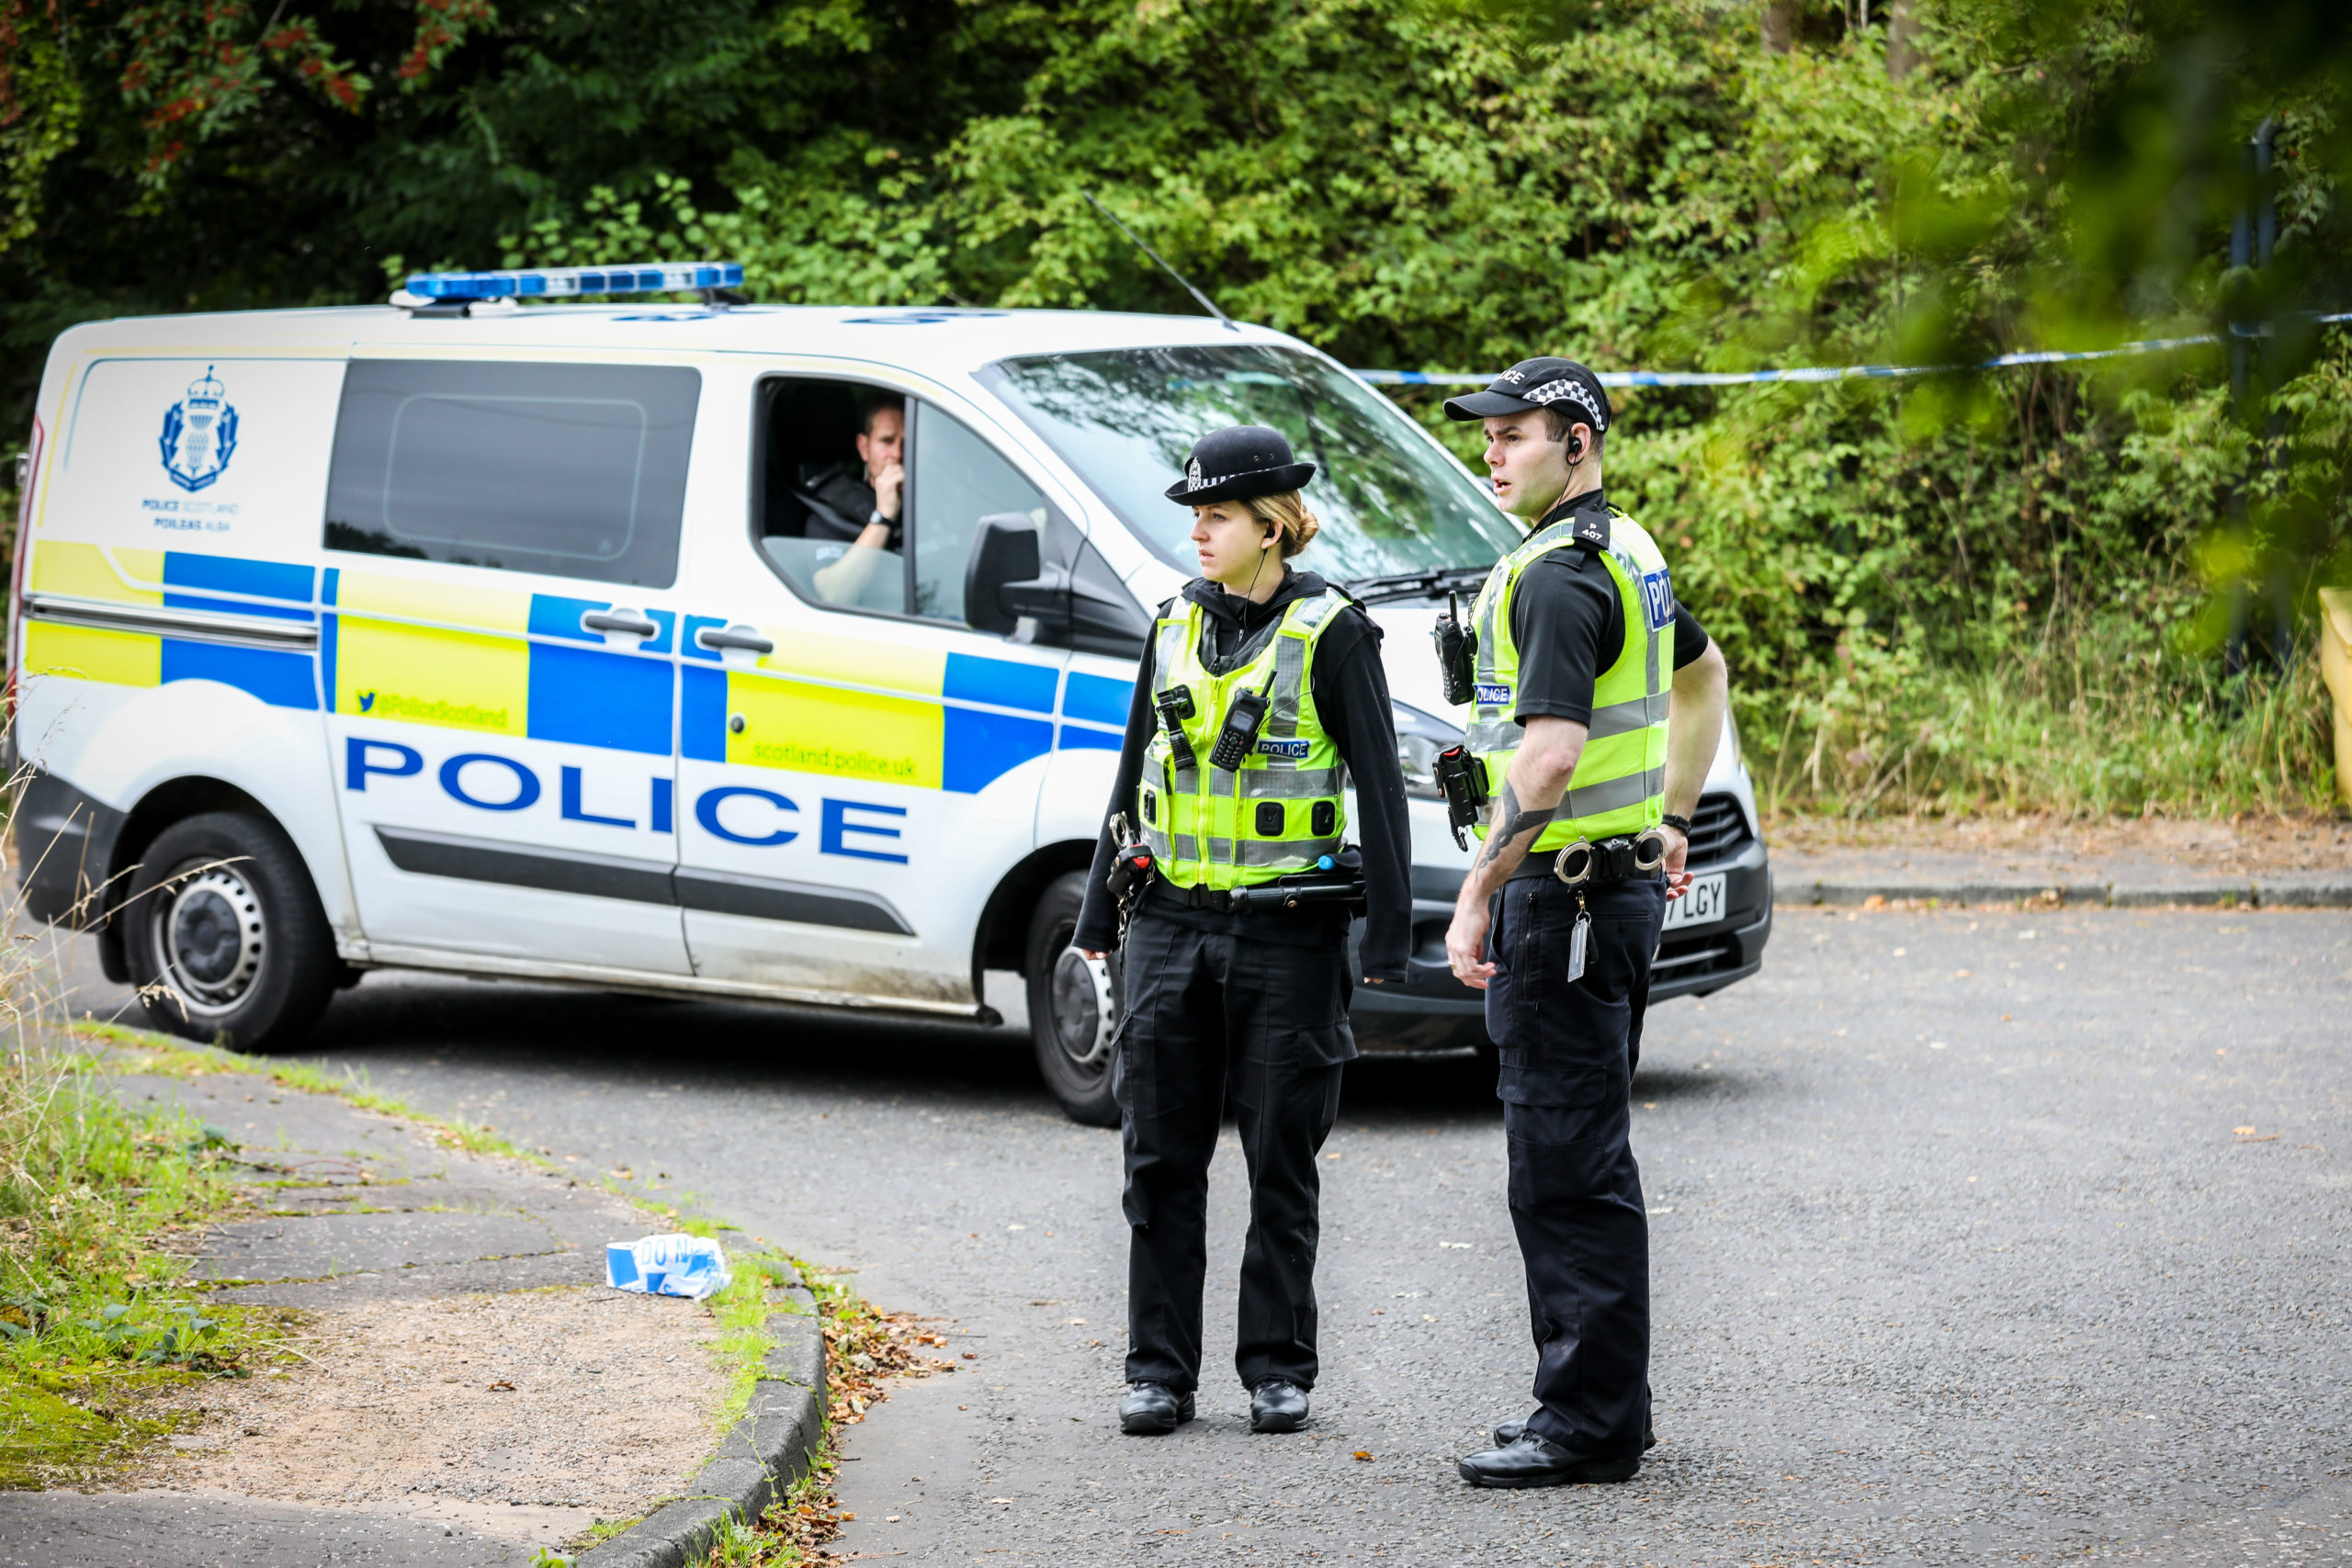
(1534, 384)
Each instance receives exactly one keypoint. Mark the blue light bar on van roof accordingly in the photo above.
(558, 282)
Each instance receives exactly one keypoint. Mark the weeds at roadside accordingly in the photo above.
(863, 1348)
(98, 1202)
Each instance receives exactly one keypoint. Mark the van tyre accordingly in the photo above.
(224, 936)
(1073, 1006)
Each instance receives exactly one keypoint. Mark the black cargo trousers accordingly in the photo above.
(1206, 1019)
(1568, 1050)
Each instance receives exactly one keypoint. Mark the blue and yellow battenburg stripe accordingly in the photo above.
(505, 661)
(177, 579)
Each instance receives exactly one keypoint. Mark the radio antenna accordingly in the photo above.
(1206, 303)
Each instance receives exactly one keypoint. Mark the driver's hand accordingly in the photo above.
(1678, 851)
(887, 486)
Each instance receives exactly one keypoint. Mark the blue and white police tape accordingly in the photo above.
(673, 1265)
(561, 282)
(1829, 372)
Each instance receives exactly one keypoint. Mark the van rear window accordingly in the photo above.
(574, 470)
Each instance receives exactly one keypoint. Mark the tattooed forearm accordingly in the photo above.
(1512, 821)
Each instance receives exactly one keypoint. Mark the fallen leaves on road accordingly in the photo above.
(1365, 1454)
(501, 1385)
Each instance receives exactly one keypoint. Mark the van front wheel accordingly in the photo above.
(224, 935)
(1073, 1006)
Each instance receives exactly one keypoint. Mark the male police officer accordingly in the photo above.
(1579, 636)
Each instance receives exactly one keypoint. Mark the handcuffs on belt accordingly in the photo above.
(1585, 864)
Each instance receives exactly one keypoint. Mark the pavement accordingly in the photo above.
(358, 1208)
(1982, 1233)
(2133, 864)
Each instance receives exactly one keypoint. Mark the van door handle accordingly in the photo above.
(743, 637)
(618, 621)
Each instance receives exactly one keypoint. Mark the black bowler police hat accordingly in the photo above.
(1534, 384)
(1237, 464)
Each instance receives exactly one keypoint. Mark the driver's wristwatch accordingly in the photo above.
(1680, 824)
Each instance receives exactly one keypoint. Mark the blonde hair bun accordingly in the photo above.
(1285, 511)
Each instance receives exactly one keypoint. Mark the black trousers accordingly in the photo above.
(1569, 1048)
(1209, 1018)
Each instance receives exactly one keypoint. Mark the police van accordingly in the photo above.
(483, 635)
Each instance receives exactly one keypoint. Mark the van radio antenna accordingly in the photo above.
(1206, 303)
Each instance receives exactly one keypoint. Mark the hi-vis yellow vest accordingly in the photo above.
(1619, 787)
(1282, 809)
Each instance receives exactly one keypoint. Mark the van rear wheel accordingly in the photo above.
(224, 936)
(1073, 1006)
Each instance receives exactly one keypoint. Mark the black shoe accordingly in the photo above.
(1277, 1407)
(1510, 1432)
(1151, 1408)
(1533, 1462)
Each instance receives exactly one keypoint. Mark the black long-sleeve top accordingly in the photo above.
(1352, 700)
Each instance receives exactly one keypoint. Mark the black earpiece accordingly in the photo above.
(1576, 453)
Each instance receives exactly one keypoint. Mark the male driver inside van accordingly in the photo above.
(861, 507)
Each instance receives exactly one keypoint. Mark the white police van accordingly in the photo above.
(508, 639)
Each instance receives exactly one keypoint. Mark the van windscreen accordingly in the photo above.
(1126, 419)
(574, 470)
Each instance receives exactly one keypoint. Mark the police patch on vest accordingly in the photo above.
(1296, 750)
(1658, 597)
(1492, 695)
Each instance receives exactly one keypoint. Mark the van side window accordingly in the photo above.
(574, 470)
(868, 501)
(830, 482)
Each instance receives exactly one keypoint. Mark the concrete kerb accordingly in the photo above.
(2305, 893)
(763, 1454)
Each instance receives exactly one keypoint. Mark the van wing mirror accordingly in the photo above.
(1003, 578)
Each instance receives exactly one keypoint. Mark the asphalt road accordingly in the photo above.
(1962, 1254)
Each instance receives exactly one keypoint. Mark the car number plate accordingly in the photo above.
(1702, 902)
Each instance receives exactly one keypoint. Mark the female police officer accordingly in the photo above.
(1223, 1000)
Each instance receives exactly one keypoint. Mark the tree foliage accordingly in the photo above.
(1902, 570)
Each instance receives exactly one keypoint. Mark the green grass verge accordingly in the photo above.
(740, 1350)
(97, 1199)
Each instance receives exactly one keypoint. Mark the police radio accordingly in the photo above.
(1241, 722)
(1458, 652)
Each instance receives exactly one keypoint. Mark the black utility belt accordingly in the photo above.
(1602, 862)
(1283, 894)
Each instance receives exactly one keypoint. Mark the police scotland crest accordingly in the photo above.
(199, 434)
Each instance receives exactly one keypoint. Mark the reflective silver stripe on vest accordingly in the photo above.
(1184, 847)
(1270, 851)
(1171, 644)
(1497, 735)
(1290, 666)
(1635, 713)
(1290, 673)
(1614, 794)
(1289, 783)
(1157, 839)
(1633, 569)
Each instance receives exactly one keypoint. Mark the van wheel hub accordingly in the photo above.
(1082, 1015)
(211, 939)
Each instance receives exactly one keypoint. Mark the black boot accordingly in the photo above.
(1535, 1461)
(1509, 1433)
(1276, 1406)
(1151, 1408)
